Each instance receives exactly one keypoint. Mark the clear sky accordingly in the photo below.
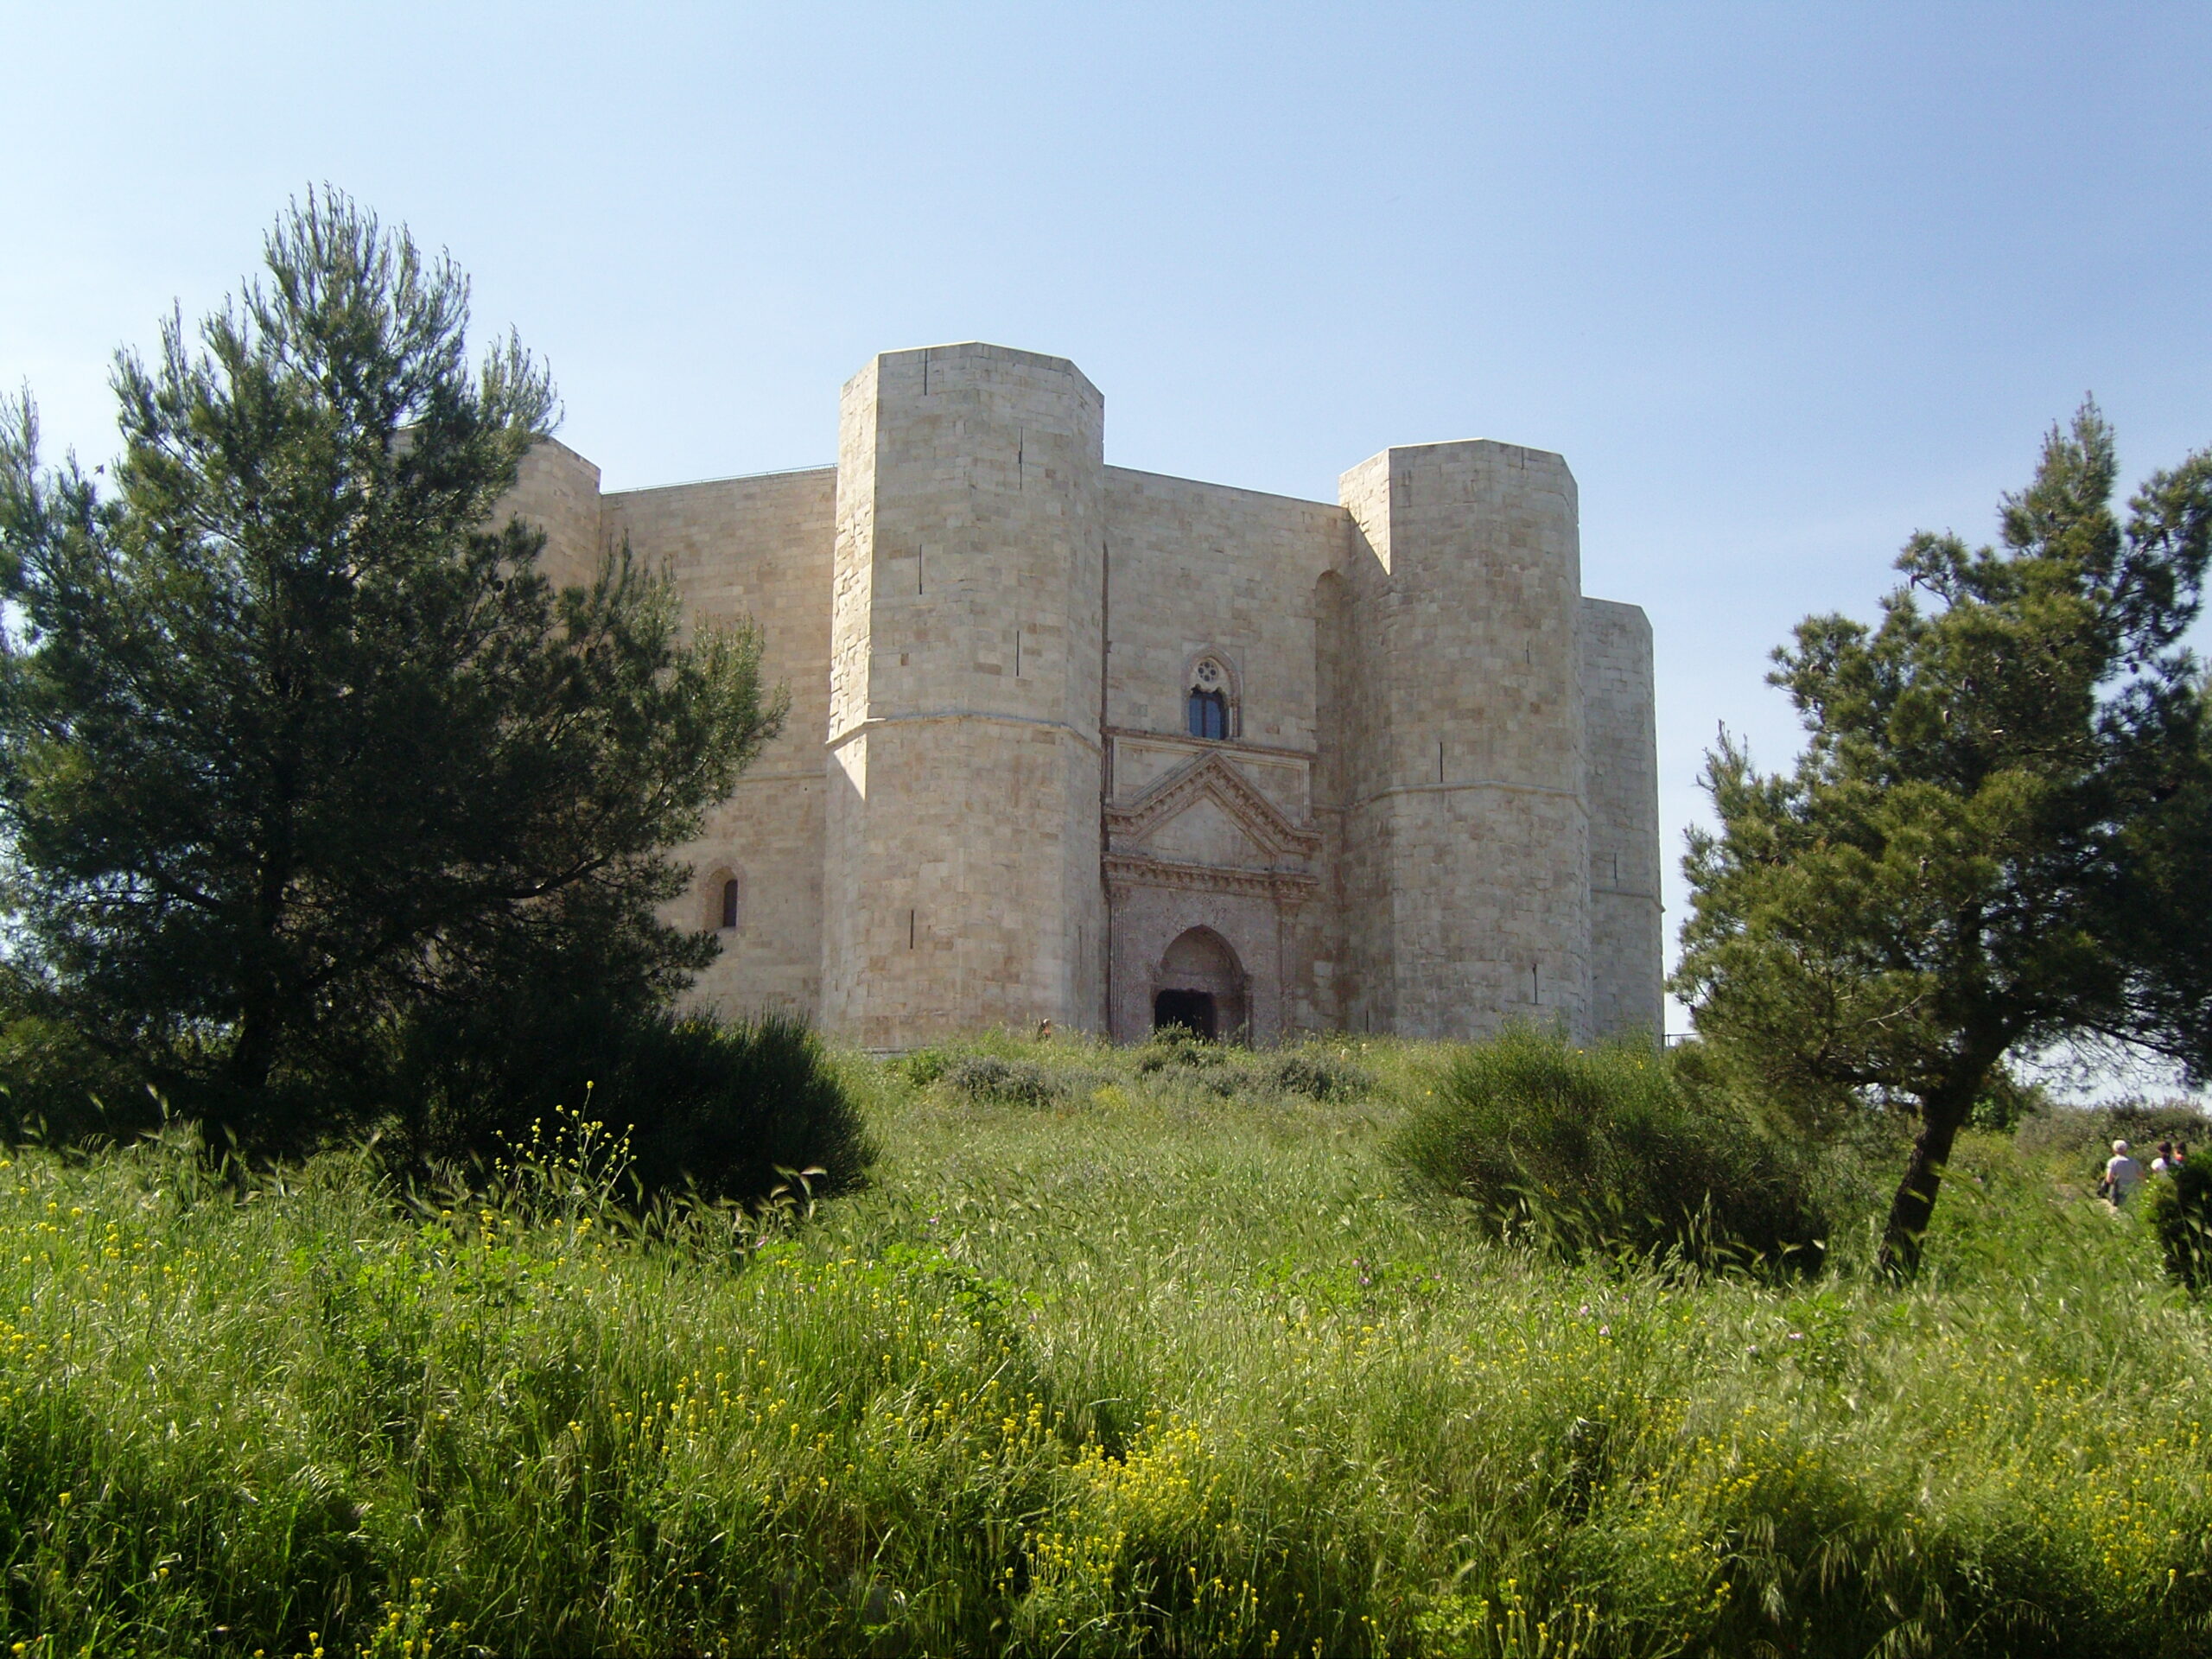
(1782, 282)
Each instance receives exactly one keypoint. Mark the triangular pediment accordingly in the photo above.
(1205, 832)
(1208, 812)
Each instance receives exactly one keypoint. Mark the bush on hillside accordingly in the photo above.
(924, 1066)
(1599, 1152)
(1174, 1048)
(2178, 1207)
(57, 1090)
(2087, 1133)
(1311, 1068)
(2005, 1103)
(719, 1109)
(994, 1079)
(1317, 1073)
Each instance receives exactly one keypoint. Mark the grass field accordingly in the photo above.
(1103, 1361)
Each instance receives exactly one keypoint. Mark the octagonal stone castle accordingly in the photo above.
(1075, 743)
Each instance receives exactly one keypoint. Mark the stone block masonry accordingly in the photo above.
(1074, 743)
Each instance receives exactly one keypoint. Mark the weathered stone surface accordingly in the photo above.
(1434, 809)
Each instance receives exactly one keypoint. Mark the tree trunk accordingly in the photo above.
(253, 1056)
(229, 1113)
(1940, 1123)
(262, 1003)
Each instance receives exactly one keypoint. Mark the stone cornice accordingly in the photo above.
(1209, 744)
(1125, 870)
(926, 716)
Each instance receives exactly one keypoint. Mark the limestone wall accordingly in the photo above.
(558, 490)
(963, 837)
(1196, 568)
(1340, 967)
(760, 547)
(1626, 941)
(1466, 834)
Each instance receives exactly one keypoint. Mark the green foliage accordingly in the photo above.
(2005, 1103)
(1319, 1071)
(993, 1078)
(1599, 1152)
(57, 1090)
(1009, 1070)
(2083, 1135)
(1319, 1068)
(2178, 1207)
(1179, 1047)
(1154, 1372)
(720, 1110)
(294, 739)
(924, 1066)
(1998, 835)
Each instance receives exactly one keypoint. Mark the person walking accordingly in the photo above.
(2122, 1174)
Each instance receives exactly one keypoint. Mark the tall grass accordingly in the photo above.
(1138, 1367)
(1599, 1151)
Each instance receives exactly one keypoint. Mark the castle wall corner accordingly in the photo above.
(558, 490)
(1627, 942)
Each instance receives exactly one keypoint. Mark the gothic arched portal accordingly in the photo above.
(1199, 985)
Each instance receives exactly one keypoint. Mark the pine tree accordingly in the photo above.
(294, 739)
(1996, 838)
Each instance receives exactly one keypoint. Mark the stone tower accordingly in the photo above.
(1466, 876)
(1620, 726)
(963, 839)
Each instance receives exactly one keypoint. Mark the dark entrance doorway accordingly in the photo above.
(1199, 985)
(1192, 1010)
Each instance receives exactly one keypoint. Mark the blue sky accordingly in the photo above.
(1784, 283)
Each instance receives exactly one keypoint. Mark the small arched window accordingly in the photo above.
(725, 897)
(1208, 707)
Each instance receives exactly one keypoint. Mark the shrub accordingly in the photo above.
(1598, 1151)
(1314, 1071)
(715, 1108)
(57, 1089)
(924, 1066)
(2005, 1103)
(990, 1078)
(2178, 1206)
(1175, 1048)
(2087, 1133)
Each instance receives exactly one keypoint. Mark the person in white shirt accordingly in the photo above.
(2122, 1174)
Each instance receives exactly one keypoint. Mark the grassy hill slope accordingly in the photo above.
(1105, 1360)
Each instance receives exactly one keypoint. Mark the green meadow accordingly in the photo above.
(1110, 1355)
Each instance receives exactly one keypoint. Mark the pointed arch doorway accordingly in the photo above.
(1199, 985)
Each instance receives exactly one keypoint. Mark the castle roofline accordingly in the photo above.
(1234, 489)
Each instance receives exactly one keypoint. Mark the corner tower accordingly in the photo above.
(1465, 878)
(963, 883)
(1627, 939)
(558, 490)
